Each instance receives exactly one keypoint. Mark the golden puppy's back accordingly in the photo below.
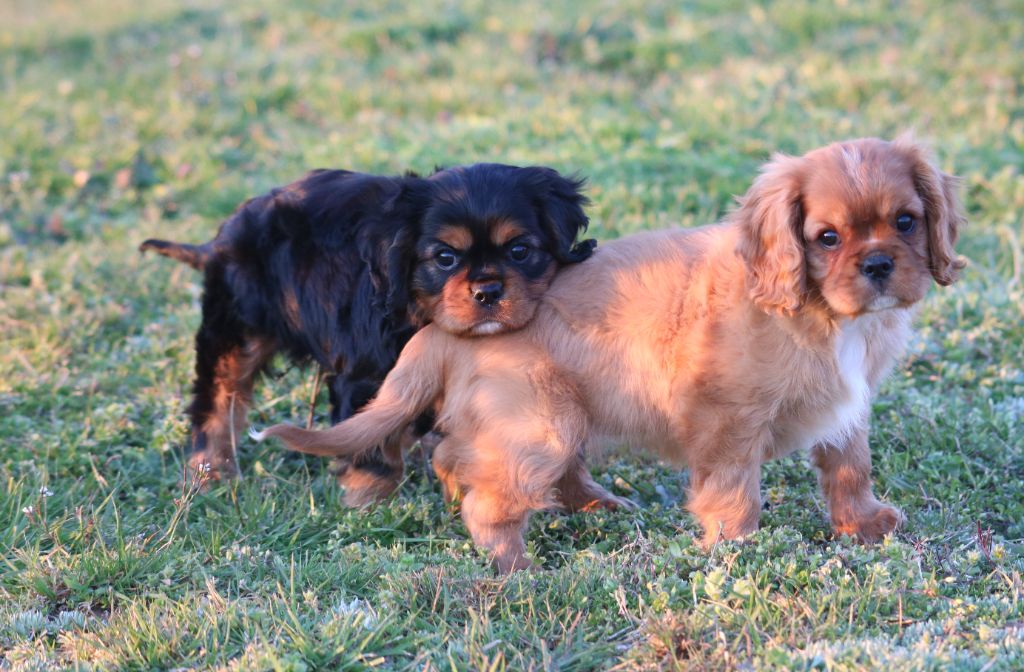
(632, 275)
(632, 324)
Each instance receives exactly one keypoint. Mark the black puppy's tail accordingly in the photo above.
(409, 390)
(195, 256)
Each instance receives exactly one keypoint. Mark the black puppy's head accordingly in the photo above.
(491, 238)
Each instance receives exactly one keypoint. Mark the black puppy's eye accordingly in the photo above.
(905, 223)
(446, 259)
(518, 252)
(829, 239)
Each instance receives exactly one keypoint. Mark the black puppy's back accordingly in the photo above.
(315, 270)
(315, 266)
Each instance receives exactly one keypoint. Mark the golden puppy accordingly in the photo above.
(719, 348)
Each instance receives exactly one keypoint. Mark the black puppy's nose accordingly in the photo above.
(878, 266)
(487, 293)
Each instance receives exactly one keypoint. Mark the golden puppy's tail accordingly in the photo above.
(410, 389)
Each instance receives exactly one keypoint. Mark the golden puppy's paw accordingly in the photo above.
(363, 487)
(609, 502)
(715, 536)
(871, 522)
(577, 491)
(513, 563)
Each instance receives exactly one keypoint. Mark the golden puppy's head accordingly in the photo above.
(860, 226)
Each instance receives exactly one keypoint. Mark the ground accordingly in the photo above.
(125, 120)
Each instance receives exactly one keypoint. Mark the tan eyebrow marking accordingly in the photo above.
(456, 237)
(504, 231)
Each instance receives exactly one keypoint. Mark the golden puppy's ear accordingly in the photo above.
(771, 218)
(942, 210)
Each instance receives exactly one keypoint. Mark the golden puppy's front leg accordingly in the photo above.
(494, 525)
(726, 499)
(845, 477)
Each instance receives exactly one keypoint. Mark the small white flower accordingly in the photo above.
(28, 510)
(45, 491)
(68, 620)
(355, 607)
(29, 623)
(205, 467)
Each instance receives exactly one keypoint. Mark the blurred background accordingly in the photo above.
(122, 118)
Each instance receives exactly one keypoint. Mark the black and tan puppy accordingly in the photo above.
(342, 268)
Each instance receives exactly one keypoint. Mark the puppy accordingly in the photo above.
(719, 348)
(341, 268)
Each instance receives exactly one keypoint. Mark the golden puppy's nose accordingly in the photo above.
(878, 266)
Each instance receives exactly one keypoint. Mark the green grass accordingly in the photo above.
(124, 120)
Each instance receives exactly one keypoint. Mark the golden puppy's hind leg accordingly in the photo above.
(577, 491)
(444, 463)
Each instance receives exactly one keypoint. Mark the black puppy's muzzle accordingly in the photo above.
(877, 267)
(487, 293)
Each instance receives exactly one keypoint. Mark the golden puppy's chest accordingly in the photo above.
(839, 404)
(789, 399)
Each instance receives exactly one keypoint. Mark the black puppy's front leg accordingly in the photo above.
(375, 475)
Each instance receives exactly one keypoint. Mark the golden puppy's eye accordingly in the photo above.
(829, 239)
(518, 252)
(905, 223)
(446, 259)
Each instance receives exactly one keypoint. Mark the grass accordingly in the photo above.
(124, 120)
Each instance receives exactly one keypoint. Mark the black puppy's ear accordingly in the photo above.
(559, 201)
(411, 200)
(405, 211)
